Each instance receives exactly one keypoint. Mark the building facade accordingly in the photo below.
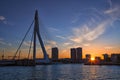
(55, 53)
(115, 58)
(88, 56)
(73, 54)
(79, 54)
(106, 57)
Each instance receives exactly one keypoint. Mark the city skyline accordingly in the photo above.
(69, 24)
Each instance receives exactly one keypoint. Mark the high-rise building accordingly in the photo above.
(79, 54)
(73, 54)
(55, 53)
(76, 54)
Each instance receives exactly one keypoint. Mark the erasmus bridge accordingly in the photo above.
(35, 35)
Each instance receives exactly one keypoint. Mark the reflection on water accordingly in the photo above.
(60, 72)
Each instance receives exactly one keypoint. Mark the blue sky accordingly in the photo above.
(91, 24)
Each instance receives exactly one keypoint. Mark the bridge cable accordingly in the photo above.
(30, 46)
(23, 40)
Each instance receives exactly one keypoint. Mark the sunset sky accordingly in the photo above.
(93, 25)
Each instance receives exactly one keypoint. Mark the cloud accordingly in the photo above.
(76, 39)
(96, 32)
(1, 39)
(9, 44)
(48, 44)
(78, 33)
(97, 25)
(2, 42)
(86, 33)
(86, 44)
(76, 18)
(2, 18)
(61, 37)
(109, 47)
(67, 44)
(48, 47)
(52, 43)
(111, 10)
(4, 21)
(27, 43)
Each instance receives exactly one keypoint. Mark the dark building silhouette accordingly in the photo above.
(106, 57)
(115, 58)
(88, 57)
(55, 53)
(97, 58)
(73, 54)
(79, 54)
(76, 54)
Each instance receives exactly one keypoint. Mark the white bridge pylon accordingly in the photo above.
(37, 34)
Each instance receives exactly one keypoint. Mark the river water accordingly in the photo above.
(60, 72)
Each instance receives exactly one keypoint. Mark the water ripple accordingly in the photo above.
(60, 72)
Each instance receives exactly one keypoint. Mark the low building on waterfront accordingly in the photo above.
(97, 60)
(88, 58)
(115, 58)
(106, 57)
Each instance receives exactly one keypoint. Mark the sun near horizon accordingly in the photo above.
(92, 59)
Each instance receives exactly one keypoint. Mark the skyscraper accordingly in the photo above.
(79, 54)
(76, 54)
(73, 54)
(55, 53)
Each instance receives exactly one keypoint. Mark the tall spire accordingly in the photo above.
(37, 34)
(35, 30)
